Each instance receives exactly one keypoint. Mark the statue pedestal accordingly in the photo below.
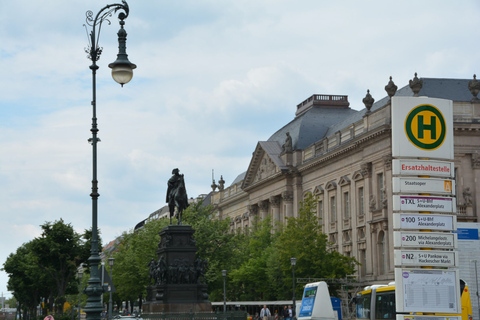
(179, 275)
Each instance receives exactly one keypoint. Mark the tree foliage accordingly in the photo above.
(215, 243)
(136, 249)
(303, 239)
(257, 261)
(46, 266)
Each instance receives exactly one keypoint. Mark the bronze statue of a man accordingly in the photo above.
(176, 195)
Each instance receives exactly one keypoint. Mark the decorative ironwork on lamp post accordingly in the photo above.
(122, 72)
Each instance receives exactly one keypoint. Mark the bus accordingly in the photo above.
(378, 302)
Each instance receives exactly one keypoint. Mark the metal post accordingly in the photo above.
(80, 275)
(476, 279)
(110, 302)
(94, 290)
(224, 273)
(293, 261)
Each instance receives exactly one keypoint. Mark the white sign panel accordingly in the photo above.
(412, 239)
(423, 185)
(424, 203)
(412, 221)
(427, 290)
(424, 258)
(422, 317)
(412, 167)
(423, 127)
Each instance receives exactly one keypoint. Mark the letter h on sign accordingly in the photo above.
(432, 127)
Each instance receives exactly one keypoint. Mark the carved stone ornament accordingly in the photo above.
(252, 209)
(372, 202)
(474, 87)
(214, 186)
(275, 201)
(181, 271)
(266, 169)
(287, 196)
(391, 88)
(263, 205)
(366, 169)
(368, 102)
(287, 146)
(384, 200)
(475, 161)
(387, 160)
(416, 85)
(467, 197)
(221, 183)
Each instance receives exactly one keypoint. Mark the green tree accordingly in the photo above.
(215, 243)
(136, 250)
(26, 280)
(59, 251)
(304, 240)
(251, 278)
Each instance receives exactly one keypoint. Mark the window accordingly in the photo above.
(361, 202)
(363, 306)
(380, 188)
(346, 205)
(320, 211)
(385, 305)
(361, 234)
(333, 210)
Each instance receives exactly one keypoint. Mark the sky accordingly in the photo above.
(213, 78)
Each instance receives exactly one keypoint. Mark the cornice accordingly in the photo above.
(275, 177)
(347, 148)
(232, 199)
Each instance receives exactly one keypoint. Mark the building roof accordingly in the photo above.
(313, 123)
(320, 122)
(318, 118)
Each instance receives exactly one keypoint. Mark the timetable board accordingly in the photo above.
(427, 290)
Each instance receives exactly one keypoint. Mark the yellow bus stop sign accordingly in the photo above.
(425, 127)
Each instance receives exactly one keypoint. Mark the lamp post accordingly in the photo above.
(121, 73)
(224, 274)
(80, 275)
(110, 263)
(293, 261)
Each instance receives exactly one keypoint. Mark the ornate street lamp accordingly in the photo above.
(224, 274)
(110, 302)
(293, 261)
(122, 73)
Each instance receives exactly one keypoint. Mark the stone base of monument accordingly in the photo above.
(179, 275)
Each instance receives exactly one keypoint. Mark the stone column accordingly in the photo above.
(275, 204)
(287, 197)
(373, 250)
(263, 206)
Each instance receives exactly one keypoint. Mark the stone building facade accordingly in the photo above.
(344, 157)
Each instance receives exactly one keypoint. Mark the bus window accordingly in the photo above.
(363, 306)
(385, 305)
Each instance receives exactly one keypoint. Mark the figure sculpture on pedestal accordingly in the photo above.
(177, 195)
